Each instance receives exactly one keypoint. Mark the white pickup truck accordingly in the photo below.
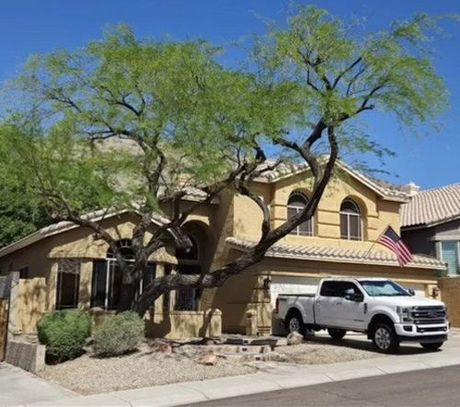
(382, 309)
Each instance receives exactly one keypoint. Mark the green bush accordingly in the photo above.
(64, 333)
(118, 334)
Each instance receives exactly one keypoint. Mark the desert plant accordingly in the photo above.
(118, 334)
(64, 333)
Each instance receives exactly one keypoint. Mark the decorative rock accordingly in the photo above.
(165, 348)
(294, 338)
(207, 341)
(210, 359)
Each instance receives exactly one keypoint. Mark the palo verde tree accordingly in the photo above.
(130, 124)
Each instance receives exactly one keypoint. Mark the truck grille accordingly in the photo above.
(425, 315)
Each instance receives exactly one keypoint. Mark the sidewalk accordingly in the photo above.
(273, 377)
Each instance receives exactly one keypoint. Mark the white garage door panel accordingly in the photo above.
(418, 288)
(292, 285)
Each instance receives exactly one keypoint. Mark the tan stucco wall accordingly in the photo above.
(184, 324)
(31, 304)
(450, 294)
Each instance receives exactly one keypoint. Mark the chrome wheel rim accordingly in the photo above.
(382, 338)
(294, 325)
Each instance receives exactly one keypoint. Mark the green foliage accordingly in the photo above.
(21, 211)
(391, 70)
(166, 102)
(118, 334)
(64, 333)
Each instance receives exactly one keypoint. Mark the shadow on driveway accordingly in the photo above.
(360, 342)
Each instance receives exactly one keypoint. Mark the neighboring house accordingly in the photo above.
(73, 268)
(430, 224)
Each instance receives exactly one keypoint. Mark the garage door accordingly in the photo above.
(418, 288)
(292, 285)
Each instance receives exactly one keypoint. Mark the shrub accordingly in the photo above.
(118, 334)
(64, 333)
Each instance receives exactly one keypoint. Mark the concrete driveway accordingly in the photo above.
(18, 387)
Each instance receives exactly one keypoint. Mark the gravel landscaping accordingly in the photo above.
(157, 363)
(310, 353)
(146, 367)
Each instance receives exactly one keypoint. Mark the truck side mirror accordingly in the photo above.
(411, 291)
(350, 295)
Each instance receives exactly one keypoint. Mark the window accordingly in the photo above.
(450, 255)
(107, 277)
(189, 263)
(384, 288)
(68, 284)
(337, 288)
(350, 221)
(24, 272)
(297, 201)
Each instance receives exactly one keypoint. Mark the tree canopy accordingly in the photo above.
(136, 124)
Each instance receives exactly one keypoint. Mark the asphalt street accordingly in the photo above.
(432, 387)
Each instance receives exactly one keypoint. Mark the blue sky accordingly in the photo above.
(433, 159)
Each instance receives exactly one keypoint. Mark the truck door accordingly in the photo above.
(328, 302)
(332, 309)
(351, 313)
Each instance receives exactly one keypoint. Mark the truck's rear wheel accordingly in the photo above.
(385, 338)
(294, 323)
(336, 334)
(432, 346)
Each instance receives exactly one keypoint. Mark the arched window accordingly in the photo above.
(107, 277)
(297, 201)
(190, 253)
(188, 263)
(351, 223)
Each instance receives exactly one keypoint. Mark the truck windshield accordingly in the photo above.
(383, 288)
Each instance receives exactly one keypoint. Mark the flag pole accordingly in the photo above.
(376, 240)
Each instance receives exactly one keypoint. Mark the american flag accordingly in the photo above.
(391, 240)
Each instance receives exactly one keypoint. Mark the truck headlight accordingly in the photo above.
(404, 314)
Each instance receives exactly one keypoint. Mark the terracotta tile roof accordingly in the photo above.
(432, 206)
(64, 226)
(338, 255)
(382, 188)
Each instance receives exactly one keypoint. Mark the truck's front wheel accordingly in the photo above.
(294, 323)
(385, 338)
(336, 334)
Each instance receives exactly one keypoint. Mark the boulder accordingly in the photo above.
(165, 348)
(210, 359)
(294, 338)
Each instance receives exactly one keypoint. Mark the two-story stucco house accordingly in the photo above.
(72, 268)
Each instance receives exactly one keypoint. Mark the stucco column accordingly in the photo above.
(52, 284)
(158, 305)
(13, 308)
(86, 276)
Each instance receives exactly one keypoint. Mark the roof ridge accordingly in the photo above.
(442, 187)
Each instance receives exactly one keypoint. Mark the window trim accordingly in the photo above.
(348, 215)
(59, 280)
(311, 222)
(457, 244)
